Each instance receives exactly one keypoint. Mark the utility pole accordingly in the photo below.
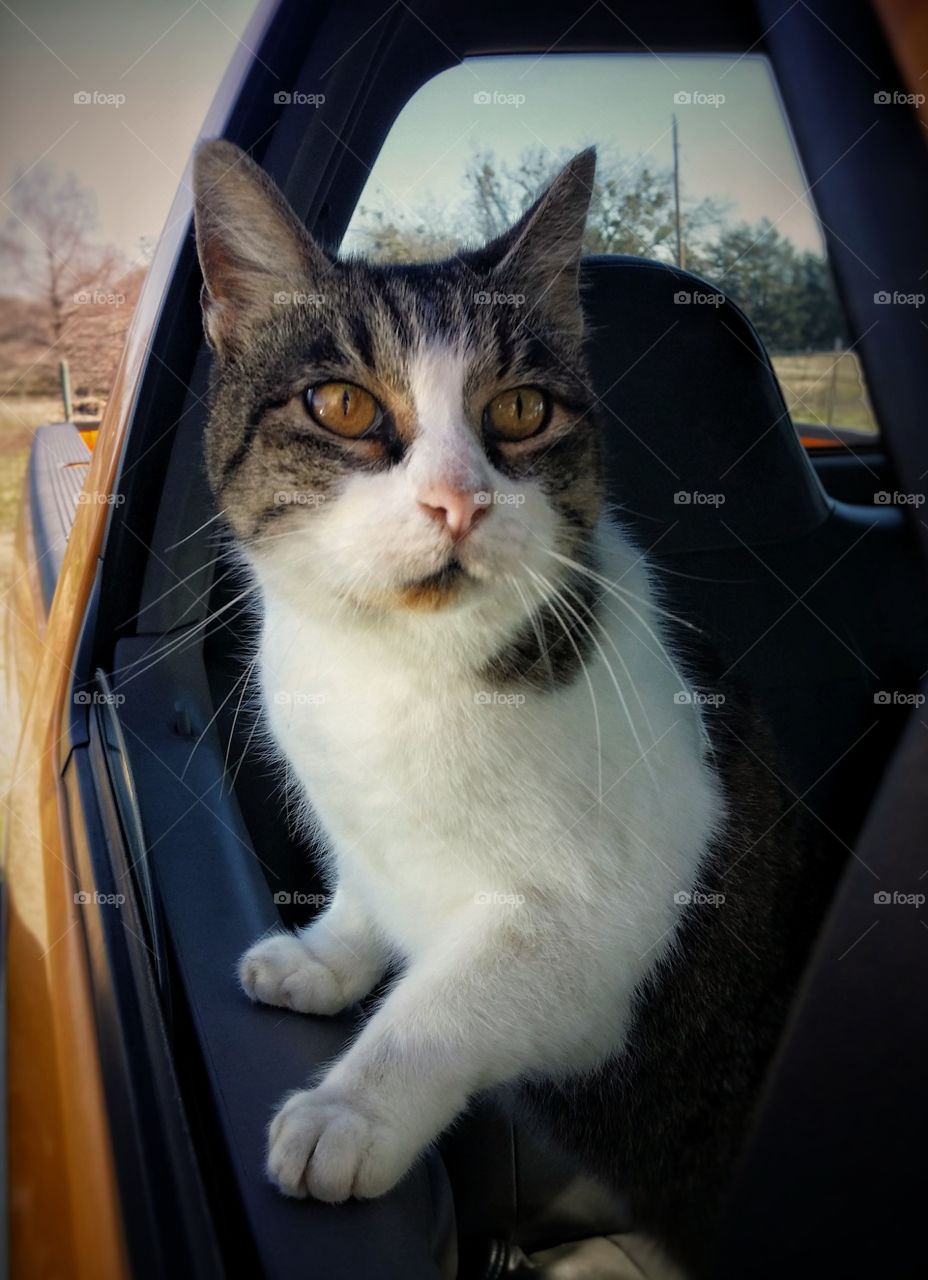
(64, 374)
(681, 251)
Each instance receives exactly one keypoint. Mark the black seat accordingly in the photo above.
(690, 403)
(775, 569)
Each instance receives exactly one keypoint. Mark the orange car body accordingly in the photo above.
(65, 1215)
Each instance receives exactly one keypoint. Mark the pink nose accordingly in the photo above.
(456, 508)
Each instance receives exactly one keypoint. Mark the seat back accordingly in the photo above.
(692, 411)
(705, 467)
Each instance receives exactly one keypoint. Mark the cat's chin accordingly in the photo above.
(436, 590)
(451, 585)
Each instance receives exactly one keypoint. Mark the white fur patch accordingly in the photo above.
(523, 854)
(446, 448)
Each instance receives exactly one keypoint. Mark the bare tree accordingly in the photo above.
(49, 240)
(631, 210)
(631, 207)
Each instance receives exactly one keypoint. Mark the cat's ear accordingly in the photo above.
(542, 250)
(250, 243)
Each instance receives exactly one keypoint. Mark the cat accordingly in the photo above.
(591, 892)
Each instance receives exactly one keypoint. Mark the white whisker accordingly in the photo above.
(586, 675)
(199, 529)
(624, 704)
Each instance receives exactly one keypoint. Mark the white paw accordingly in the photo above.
(280, 970)
(322, 1145)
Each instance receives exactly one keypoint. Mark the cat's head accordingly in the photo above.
(404, 437)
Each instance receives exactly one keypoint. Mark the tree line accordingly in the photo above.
(787, 292)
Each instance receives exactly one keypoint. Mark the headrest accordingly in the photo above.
(697, 434)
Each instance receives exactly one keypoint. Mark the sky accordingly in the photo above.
(165, 57)
(166, 60)
(733, 140)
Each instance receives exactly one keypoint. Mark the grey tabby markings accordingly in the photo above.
(356, 322)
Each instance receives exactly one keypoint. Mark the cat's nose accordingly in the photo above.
(459, 509)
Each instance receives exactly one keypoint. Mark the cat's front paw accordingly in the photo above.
(280, 970)
(323, 1145)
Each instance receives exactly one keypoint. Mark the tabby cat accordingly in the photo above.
(583, 886)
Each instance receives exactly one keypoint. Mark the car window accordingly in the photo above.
(696, 167)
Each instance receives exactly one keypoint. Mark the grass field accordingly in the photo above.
(21, 414)
(826, 390)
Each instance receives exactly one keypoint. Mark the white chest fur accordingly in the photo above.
(524, 854)
(582, 811)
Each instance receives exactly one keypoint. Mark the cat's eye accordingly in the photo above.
(517, 414)
(344, 408)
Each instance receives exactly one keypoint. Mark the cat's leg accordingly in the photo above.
(334, 961)
(483, 1009)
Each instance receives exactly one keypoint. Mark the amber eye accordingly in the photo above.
(517, 414)
(343, 408)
